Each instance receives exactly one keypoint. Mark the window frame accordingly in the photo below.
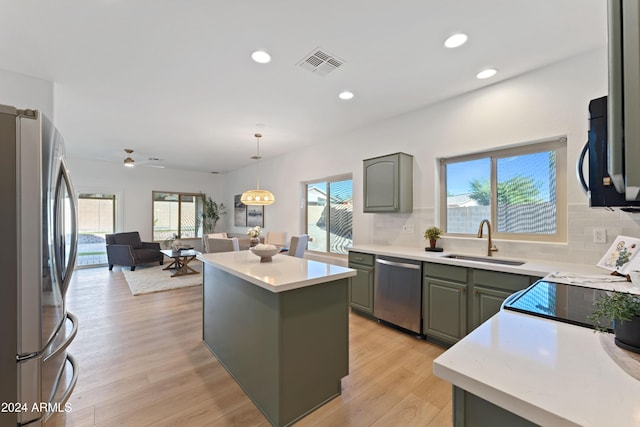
(557, 144)
(329, 180)
(180, 194)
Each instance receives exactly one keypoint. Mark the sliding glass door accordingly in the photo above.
(329, 212)
(96, 217)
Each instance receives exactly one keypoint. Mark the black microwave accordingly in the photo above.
(600, 188)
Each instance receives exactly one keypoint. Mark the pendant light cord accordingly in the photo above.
(258, 136)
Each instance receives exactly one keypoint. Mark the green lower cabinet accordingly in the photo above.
(361, 285)
(486, 303)
(444, 310)
(361, 289)
(456, 300)
(470, 410)
(490, 289)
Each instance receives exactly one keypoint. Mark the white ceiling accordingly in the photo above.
(174, 79)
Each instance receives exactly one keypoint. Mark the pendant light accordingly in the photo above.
(257, 196)
(129, 162)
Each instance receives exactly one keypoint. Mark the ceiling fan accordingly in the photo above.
(151, 162)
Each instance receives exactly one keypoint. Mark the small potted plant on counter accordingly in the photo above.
(432, 234)
(624, 310)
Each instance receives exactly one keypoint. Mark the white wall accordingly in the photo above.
(548, 102)
(135, 186)
(23, 91)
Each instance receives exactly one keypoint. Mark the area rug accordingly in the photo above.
(151, 278)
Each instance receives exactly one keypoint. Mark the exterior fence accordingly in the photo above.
(340, 227)
(536, 218)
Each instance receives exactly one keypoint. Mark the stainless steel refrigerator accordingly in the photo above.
(38, 216)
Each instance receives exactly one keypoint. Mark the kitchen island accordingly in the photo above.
(522, 370)
(279, 328)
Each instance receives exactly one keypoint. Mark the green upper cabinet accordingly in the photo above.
(388, 183)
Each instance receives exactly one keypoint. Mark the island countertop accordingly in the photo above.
(549, 372)
(284, 273)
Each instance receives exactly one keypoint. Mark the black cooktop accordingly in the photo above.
(557, 301)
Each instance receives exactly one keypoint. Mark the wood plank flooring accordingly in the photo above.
(142, 363)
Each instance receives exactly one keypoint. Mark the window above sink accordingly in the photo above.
(520, 189)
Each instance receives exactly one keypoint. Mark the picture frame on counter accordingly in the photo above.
(621, 256)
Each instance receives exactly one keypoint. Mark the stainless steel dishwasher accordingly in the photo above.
(398, 292)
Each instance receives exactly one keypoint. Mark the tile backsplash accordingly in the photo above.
(396, 230)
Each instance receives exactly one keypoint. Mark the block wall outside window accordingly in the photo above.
(176, 213)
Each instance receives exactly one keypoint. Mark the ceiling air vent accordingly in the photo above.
(320, 62)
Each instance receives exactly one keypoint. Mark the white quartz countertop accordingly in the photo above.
(549, 372)
(530, 267)
(284, 273)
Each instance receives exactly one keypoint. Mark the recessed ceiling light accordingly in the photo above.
(261, 57)
(455, 40)
(345, 95)
(485, 74)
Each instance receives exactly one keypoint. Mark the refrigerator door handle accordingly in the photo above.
(70, 337)
(72, 381)
(21, 357)
(64, 193)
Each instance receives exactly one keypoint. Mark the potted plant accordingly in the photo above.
(623, 309)
(211, 213)
(432, 234)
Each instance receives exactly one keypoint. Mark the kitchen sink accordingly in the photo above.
(490, 260)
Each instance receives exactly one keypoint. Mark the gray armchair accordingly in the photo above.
(128, 250)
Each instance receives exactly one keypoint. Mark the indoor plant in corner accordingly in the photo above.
(432, 234)
(211, 213)
(624, 310)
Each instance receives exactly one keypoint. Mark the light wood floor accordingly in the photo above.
(142, 363)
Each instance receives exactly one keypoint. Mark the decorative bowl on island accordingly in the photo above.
(265, 252)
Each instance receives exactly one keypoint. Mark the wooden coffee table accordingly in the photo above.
(181, 260)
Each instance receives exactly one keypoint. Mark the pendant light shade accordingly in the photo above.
(257, 197)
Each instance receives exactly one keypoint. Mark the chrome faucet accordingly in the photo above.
(490, 247)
